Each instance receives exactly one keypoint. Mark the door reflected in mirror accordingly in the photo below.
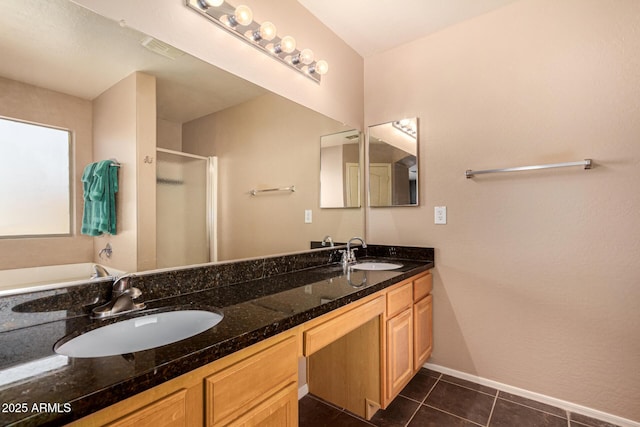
(393, 163)
(340, 170)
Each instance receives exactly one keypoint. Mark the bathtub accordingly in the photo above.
(21, 280)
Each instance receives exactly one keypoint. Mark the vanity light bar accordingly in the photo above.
(239, 22)
(406, 126)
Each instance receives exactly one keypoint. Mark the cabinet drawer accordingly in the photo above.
(399, 299)
(281, 410)
(246, 384)
(422, 286)
(168, 411)
(329, 331)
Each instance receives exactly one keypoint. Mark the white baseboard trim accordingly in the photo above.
(563, 404)
(303, 390)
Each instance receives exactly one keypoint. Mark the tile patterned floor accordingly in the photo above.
(432, 399)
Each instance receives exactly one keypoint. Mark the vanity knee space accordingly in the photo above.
(362, 358)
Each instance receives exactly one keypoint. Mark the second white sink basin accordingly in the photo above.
(376, 266)
(139, 333)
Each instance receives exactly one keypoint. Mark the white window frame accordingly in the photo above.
(70, 174)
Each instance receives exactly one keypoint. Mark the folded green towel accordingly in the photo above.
(100, 185)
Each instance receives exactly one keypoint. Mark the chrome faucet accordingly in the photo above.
(327, 239)
(122, 296)
(99, 271)
(349, 255)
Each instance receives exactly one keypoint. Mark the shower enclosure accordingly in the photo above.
(185, 209)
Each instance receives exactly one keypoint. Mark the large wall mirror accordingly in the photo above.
(58, 60)
(340, 170)
(393, 163)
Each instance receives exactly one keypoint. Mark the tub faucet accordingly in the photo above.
(349, 255)
(99, 271)
(106, 251)
(327, 239)
(122, 296)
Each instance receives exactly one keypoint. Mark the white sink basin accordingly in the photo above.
(376, 266)
(140, 333)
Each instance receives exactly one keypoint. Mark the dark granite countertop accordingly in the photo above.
(253, 311)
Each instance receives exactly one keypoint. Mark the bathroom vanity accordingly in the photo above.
(363, 333)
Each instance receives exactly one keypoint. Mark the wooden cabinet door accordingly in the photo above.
(423, 331)
(399, 352)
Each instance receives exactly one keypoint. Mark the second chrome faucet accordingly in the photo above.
(349, 255)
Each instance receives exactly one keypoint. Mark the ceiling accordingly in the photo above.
(373, 26)
(61, 46)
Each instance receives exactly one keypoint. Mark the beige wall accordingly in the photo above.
(124, 129)
(169, 135)
(265, 143)
(537, 274)
(341, 92)
(33, 104)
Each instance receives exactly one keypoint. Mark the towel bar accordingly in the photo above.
(290, 188)
(586, 163)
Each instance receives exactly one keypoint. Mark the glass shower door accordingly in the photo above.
(183, 209)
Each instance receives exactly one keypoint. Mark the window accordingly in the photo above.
(35, 180)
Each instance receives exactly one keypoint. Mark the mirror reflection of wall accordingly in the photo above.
(268, 142)
(393, 163)
(340, 170)
(178, 103)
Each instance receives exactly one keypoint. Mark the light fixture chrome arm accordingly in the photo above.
(239, 22)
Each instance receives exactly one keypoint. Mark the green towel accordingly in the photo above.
(100, 185)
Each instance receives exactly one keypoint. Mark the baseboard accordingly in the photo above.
(563, 404)
(303, 390)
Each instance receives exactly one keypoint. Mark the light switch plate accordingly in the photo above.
(440, 215)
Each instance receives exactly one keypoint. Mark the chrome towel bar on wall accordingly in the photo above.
(291, 188)
(586, 163)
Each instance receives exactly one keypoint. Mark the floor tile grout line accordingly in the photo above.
(423, 400)
(454, 415)
(581, 424)
(413, 415)
(472, 389)
(535, 409)
(495, 400)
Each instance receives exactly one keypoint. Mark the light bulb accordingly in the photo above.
(306, 56)
(243, 15)
(287, 45)
(267, 31)
(206, 4)
(321, 67)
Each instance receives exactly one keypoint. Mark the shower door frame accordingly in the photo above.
(211, 188)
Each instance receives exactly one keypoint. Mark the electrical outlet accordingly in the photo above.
(308, 217)
(440, 215)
